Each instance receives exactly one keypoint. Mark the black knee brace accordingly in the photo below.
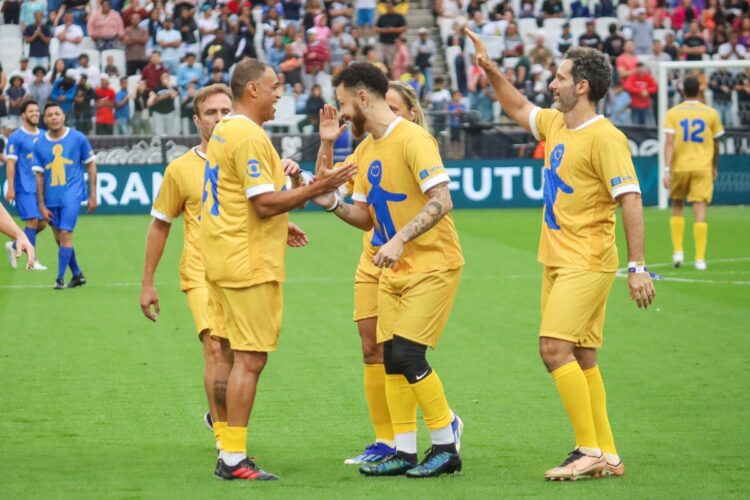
(410, 358)
(390, 366)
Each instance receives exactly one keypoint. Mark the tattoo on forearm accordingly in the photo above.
(343, 210)
(426, 219)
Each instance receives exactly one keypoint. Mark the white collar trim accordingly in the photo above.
(30, 132)
(587, 123)
(67, 129)
(200, 153)
(390, 128)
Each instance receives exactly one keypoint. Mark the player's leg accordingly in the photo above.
(64, 252)
(678, 190)
(222, 362)
(68, 221)
(210, 346)
(701, 192)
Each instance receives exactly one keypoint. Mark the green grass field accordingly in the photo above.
(99, 402)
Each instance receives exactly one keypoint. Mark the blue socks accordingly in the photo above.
(31, 235)
(74, 263)
(63, 259)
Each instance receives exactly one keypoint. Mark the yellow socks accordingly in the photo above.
(574, 392)
(677, 225)
(377, 403)
(218, 429)
(598, 398)
(401, 403)
(234, 439)
(700, 233)
(431, 396)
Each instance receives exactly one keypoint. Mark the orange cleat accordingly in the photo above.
(578, 465)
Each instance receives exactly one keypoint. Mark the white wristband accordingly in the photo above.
(335, 205)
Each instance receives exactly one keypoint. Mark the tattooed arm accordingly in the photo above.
(439, 205)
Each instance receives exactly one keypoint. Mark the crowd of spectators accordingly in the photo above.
(169, 49)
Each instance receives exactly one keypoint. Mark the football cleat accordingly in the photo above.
(610, 470)
(700, 265)
(208, 421)
(75, 281)
(59, 285)
(577, 465)
(435, 463)
(395, 465)
(678, 258)
(376, 452)
(458, 428)
(38, 266)
(246, 469)
(12, 259)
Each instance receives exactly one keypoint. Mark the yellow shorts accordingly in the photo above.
(366, 282)
(416, 306)
(574, 303)
(696, 186)
(197, 299)
(251, 316)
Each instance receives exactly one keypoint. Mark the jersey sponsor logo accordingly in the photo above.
(253, 168)
(423, 174)
(378, 198)
(57, 166)
(211, 181)
(615, 181)
(552, 184)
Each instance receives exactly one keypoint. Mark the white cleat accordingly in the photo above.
(678, 258)
(38, 266)
(12, 260)
(700, 265)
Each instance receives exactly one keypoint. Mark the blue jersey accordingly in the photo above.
(20, 147)
(62, 163)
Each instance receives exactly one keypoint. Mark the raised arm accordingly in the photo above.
(512, 101)
(639, 281)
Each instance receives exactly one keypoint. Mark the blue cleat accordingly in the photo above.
(376, 452)
(395, 465)
(435, 463)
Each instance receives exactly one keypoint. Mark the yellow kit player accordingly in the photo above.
(401, 192)
(180, 194)
(404, 102)
(691, 156)
(243, 232)
(588, 171)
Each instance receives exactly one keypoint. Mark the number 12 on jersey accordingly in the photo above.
(692, 130)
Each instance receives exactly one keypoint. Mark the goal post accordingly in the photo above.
(663, 73)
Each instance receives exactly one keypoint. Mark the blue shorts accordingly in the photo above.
(65, 217)
(365, 17)
(27, 206)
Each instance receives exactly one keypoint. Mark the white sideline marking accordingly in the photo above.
(623, 273)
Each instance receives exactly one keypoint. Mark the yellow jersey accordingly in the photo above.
(395, 171)
(180, 193)
(239, 248)
(585, 170)
(695, 127)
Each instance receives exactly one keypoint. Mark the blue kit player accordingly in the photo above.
(22, 181)
(59, 159)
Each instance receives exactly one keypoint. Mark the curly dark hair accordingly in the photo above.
(594, 67)
(364, 75)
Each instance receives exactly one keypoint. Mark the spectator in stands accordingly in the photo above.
(104, 100)
(614, 44)
(482, 97)
(273, 24)
(389, 27)
(161, 105)
(291, 66)
(456, 112)
(513, 41)
(372, 56)
(15, 94)
(11, 11)
(83, 111)
(313, 106)
(641, 86)
(219, 67)
(170, 41)
(64, 91)
(590, 38)
(552, 8)
(24, 71)
(657, 56)
(276, 52)
(415, 79)
(134, 7)
(605, 8)
(340, 44)
(189, 73)
(341, 11)
(732, 50)
(29, 8)
(187, 110)
(526, 9)
(744, 32)
(365, 16)
(565, 41)
(642, 30)
(423, 51)
(58, 70)
(579, 8)
(70, 36)
(152, 72)
(540, 53)
(85, 68)
(684, 13)
(721, 83)
(218, 48)
(179, 5)
(670, 47)
(38, 35)
(316, 58)
(292, 11)
(300, 99)
(439, 98)
(207, 25)
(627, 61)
(244, 44)
(618, 105)
(693, 44)
(122, 109)
(401, 60)
(135, 37)
(742, 86)
(40, 89)
(105, 27)
(187, 26)
(152, 25)
(141, 122)
(110, 68)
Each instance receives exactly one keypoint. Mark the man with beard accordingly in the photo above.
(588, 172)
(22, 181)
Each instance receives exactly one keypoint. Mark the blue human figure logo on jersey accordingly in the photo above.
(211, 177)
(553, 183)
(378, 199)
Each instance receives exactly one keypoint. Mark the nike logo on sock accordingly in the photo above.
(420, 377)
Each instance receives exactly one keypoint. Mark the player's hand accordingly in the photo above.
(325, 200)
(10, 195)
(330, 128)
(296, 237)
(641, 289)
(291, 167)
(667, 180)
(389, 253)
(149, 298)
(46, 213)
(715, 172)
(482, 58)
(329, 179)
(92, 203)
(23, 245)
